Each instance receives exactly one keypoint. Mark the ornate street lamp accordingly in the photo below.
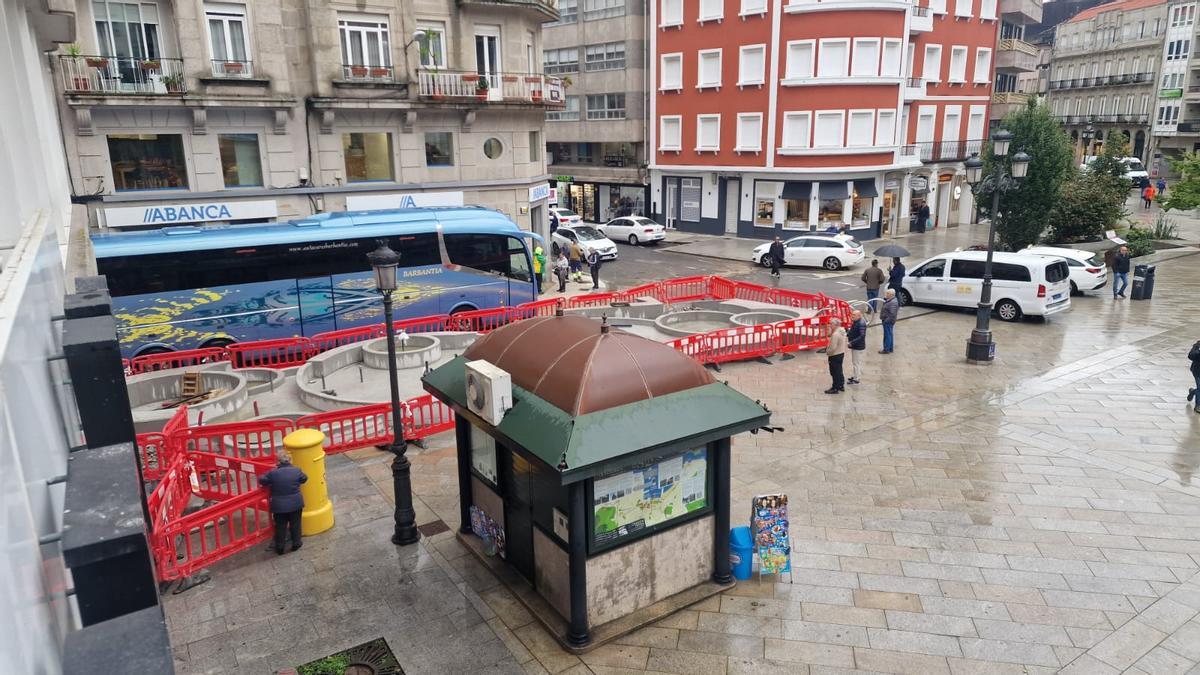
(980, 347)
(384, 262)
(1088, 134)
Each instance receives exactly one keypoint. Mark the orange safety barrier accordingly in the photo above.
(797, 299)
(170, 497)
(695, 346)
(281, 353)
(602, 299)
(352, 428)
(548, 307)
(421, 324)
(687, 289)
(479, 320)
(221, 478)
(242, 440)
(720, 288)
(191, 542)
(154, 449)
(181, 359)
(802, 334)
(650, 290)
(737, 344)
(425, 416)
(746, 291)
(322, 342)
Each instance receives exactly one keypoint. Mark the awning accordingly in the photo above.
(801, 190)
(835, 190)
(866, 187)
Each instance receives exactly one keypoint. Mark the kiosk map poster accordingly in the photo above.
(769, 523)
(644, 497)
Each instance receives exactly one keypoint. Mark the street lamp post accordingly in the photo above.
(980, 347)
(384, 262)
(1088, 134)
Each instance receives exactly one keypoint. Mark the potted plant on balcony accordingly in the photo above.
(358, 71)
(79, 80)
(173, 83)
(470, 77)
(151, 65)
(379, 71)
(481, 89)
(233, 67)
(92, 61)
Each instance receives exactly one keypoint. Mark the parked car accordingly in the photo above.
(560, 216)
(633, 229)
(589, 239)
(1135, 171)
(1087, 269)
(832, 252)
(1022, 283)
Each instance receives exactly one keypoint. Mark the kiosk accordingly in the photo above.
(593, 472)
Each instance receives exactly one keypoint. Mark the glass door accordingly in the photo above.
(127, 33)
(487, 58)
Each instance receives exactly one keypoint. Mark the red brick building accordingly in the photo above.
(776, 116)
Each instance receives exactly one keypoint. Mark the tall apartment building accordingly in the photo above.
(1176, 123)
(771, 116)
(596, 144)
(250, 111)
(1017, 58)
(1104, 73)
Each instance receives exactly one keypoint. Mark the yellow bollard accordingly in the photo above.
(308, 454)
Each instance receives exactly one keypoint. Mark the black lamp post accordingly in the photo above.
(980, 347)
(384, 262)
(1088, 134)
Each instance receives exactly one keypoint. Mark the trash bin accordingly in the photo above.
(1139, 282)
(741, 552)
(1149, 290)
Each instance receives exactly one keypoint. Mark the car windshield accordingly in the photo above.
(644, 221)
(587, 233)
(564, 213)
(1094, 262)
(852, 243)
(1135, 165)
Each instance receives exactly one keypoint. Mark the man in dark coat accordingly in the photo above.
(923, 218)
(856, 339)
(776, 253)
(286, 501)
(888, 315)
(1120, 272)
(896, 275)
(594, 262)
(1194, 357)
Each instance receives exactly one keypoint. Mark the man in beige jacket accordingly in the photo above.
(836, 351)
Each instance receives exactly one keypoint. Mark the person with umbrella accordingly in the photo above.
(896, 275)
(874, 277)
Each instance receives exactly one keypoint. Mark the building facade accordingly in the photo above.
(1105, 73)
(1176, 125)
(1017, 58)
(254, 111)
(596, 144)
(769, 116)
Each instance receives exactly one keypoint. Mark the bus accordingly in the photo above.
(191, 287)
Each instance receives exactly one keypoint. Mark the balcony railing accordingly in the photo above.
(1010, 97)
(1102, 81)
(948, 151)
(909, 150)
(460, 85)
(1122, 118)
(1188, 127)
(359, 73)
(1012, 44)
(226, 68)
(120, 75)
(546, 8)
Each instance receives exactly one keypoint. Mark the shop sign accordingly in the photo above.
(564, 179)
(918, 183)
(553, 198)
(1171, 93)
(891, 184)
(176, 214)
(539, 192)
(403, 200)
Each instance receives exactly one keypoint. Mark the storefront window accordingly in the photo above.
(147, 161)
(764, 212)
(368, 157)
(439, 149)
(831, 212)
(624, 201)
(797, 214)
(862, 211)
(241, 164)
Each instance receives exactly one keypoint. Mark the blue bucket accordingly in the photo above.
(741, 552)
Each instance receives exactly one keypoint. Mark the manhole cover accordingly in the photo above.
(370, 658)
(435, 527)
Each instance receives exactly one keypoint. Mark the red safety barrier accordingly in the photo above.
(650, 290)
(738, 344)
(181, 359)
(170, 497)
(323, 342)
(802, 334)
(797, 299)
(479, 320)
(720, 288)
(425, 416)
(352, 428)
(687, 289)
(603, 299)
(281, 353)
(155, 451)
(746, 291)
(191, 542)
(421, 324)
(221, 478)
(242, 440)
(695, 346)
(529, 310)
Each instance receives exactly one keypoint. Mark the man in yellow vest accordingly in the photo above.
(539, 263)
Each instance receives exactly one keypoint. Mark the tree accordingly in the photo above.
(1184, 194)
(1025, 207)
(1110, 164)
(1087, 205)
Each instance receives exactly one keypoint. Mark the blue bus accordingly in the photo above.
(190, 287)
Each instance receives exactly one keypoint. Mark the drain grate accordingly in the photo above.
(432, 528)
(370, 658)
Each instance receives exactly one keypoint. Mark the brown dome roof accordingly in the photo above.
(571, 363)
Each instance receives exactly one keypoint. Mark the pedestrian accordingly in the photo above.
(874, 278)
(286, 501)
(887, 318)
(1120, 272)
(896, 275)
(1161, 186)
(923, 218)
(539, 264)
(1194, 357)
(856, 340)
(562, 270)
(594, 262)
(1148, 195)
(836, 352)
(576, 262)
(776, 252)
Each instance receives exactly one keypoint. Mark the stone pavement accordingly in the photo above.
(1033, 515)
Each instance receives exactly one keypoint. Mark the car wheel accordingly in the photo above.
(1008, 310)
(1074, 289)
(765, 261)
(633, 240)
(832, 263)
(905, 297)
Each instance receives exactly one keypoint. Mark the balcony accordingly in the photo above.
(1016, 56)
(921, 20)
(914, 88)
(233, 69)
(1188, 127)
(459, 86)
(360, 74)
(120, 75)
(948, 151)
(1021, 11)
(542, 10)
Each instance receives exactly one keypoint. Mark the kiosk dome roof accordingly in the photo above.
(580, 366)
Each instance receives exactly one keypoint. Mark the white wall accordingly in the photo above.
(33, 440)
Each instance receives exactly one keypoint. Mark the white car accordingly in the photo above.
(560, 216)
(1022, 283)
(815, 250)
(633, 229)
(589, 239)
(1087, 269)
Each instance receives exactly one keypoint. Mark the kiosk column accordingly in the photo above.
(462, 436)
(720, 468)
(577, 634)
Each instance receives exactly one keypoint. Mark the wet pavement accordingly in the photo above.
(1032, 515)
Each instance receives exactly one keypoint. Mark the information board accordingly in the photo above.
(769, 525)
(627, 502)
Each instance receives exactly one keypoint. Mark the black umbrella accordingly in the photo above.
(892, 251)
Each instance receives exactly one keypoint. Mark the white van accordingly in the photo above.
(1021, 283)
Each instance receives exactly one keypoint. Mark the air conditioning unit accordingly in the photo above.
(489, 391)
